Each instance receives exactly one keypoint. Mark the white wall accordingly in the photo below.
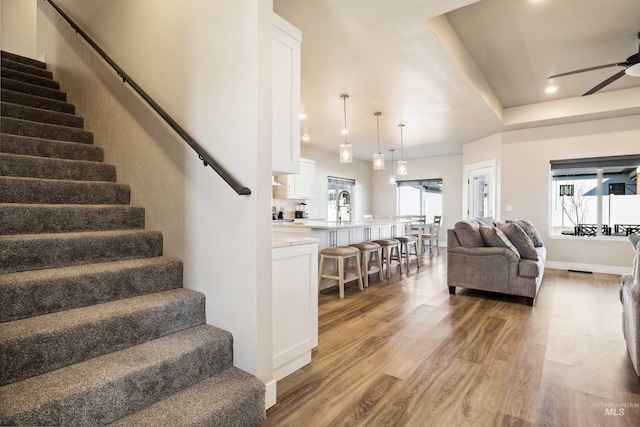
(525, 184)
(209, 66)
(18, 32)
(328, 164)
(449, 168)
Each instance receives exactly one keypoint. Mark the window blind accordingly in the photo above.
(596, 162)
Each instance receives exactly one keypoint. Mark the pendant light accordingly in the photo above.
(392, 176)
(378, 158)
(346, 155)
(402, 163)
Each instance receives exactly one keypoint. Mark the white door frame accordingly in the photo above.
(468, 173)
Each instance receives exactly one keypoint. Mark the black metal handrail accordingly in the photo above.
(202, 153)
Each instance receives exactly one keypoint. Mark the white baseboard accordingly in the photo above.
(270, 395)
(593, 268)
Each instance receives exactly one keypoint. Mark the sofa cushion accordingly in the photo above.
(531, 231)
(520, 239)
(468, 234)
(634, 238)
(486, 221)
(494, 237)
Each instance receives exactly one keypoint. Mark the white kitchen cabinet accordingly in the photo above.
(295, 307)
(298, 186)
(286, 41)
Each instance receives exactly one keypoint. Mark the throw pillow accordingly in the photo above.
(495, 238)
(528, 228)
(468, 234)
(634, 238)
(520, 239)
(531, 231)
(486, 221)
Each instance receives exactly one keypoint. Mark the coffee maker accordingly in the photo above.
(301, 210)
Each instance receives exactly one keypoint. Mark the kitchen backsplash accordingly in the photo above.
(315, 209)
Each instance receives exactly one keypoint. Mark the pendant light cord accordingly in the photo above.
(344, 98)
(378, 128)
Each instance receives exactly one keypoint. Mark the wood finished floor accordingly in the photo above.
(405, 353)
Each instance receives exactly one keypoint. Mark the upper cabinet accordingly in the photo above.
(299, 186)
(286, 97)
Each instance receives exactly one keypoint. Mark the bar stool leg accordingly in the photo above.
(320, 268)
(398, 257)
(359, 271)
(340, 262)
(388, 260)
(366, 258)
(404, 253)
(379, 262)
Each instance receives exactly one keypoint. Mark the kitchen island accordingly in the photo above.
(340, 233)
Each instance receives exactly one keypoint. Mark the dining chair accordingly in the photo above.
(432, 236)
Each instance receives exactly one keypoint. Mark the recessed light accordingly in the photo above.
(305, 137)
(551, 89)
(303, 116)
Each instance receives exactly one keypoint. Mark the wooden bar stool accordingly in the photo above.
(369, 250)
(340, 254)
(406, 243)
(390, 252)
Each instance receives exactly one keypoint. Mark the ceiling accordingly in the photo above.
(455, 71)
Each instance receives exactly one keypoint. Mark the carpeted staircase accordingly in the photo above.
(95, 325)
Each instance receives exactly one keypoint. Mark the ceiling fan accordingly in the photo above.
(631, 68)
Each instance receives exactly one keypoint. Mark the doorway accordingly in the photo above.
(481, 190)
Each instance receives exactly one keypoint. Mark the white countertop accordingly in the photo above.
(283, 240)
(339, 224)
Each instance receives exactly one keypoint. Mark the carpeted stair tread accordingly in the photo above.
(31, 89)
(28, 78)
(39, 115)
(22, 59)
(36, 190)
(52, 168)
(32, 346)
(35, 101)
(231, 398)
(105, 388)
(25, 68)
(44, 130)
(27, 146)
(33, 293)
(38, 218)
(23, 252)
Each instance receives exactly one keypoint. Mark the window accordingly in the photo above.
(566, 190)
(420, 197)
(596, 196)
(617, 189)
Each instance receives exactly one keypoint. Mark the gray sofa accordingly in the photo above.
(630, 297)
(505, 257)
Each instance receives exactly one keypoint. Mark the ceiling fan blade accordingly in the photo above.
(607, 82)
(585, 69)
